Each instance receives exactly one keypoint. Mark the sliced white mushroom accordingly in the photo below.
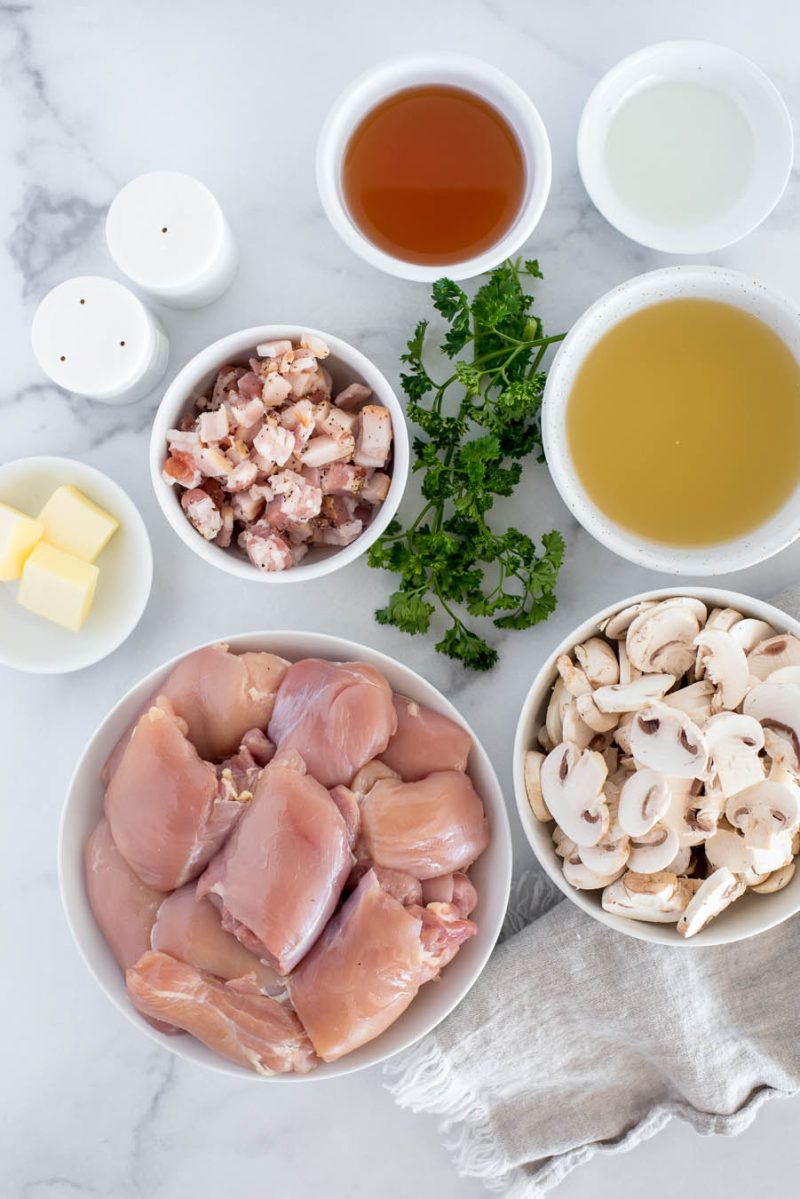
(777, 707)
(573, 728)
(726, 666)
(607, 857)
(660, 898)
(533, 767)
(667, 740)
(723, 618)
(784, 674)
(762, 811)
(777, 880)
(694, 811)
(601, 722)
(572, 788)
(694, 700)
(682, 862)
(622, 733)
(627, 673)
(774, 653)
(728, 848)
(714, 894)
(554, 720)
(573, 676)
(579, 875)
(654, 850)
(628, 697)
(735, 743)
(661, 640)
(643, 800)
(616, 626)
(543, 738)
(748, 632)
(753, 878)
(600, 663)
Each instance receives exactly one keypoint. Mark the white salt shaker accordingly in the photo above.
(167, 233)
(94, 337)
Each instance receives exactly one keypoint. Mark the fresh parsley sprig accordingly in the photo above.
(469, 452)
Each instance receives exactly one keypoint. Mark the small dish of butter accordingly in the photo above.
(75, 565)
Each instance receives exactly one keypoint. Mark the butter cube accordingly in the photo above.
(58, 586)
(18, 535)
(75, 524)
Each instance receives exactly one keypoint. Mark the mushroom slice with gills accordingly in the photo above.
(735, 743)
(726, 666)
(667, 740)
(575, 679)
(590, 714)
(533, 788)
(693, 812)
(762, 811)
(714, 894)
(644, 799)
(572, 787)
(772, 654)
(728, 847)
(608, 857)
(776, 881)
(599, 662)
(616, 626)
(629, 697)
(659, 898)
(777, 707)
(554, 719)
(660, 639)
(574, 729)
(622, 733)
(653, 850)
(750, 632)
(694, 699)
(582, 877)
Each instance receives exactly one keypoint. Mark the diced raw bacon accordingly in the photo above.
(183, 441)
(249, 386)
(353, 397)
(339, 423)
(273, 349)
(316, 346)
(299, 418)
(301, 501)
(238, 451)
(338, 509)
(311, 474)
(374, 436)
(225, 382)
(298, 363)
(342, 478)
(325, 383)
(323, 449)
(213, 426)
(213, 463)
(246, 411)
(339, 534)
(376, 487)
(181, 468)
(274, 443)
(214, 488)
(202, 512)
(268, 553)
(276, 390)
(242, 476)
(247, 507)
(306, 383)
(225, 535)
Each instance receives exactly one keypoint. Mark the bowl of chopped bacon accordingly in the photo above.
(279, 453)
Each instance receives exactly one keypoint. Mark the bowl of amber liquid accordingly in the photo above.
(671, 421)
(434, 164)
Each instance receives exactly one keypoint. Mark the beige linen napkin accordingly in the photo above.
(577, 1040)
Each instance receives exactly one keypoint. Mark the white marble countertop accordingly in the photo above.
(94, 93)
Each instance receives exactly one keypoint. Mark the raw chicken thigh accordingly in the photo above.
(432, 827)
(337, 715)
(251, 1030)
(455, 889)
(163, 803)
(367, 967)
(123, 906)
(425, 742)
(280, 875)
(190, 929)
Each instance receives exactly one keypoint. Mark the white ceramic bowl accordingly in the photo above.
(672, 283)
(35, 645)
(455, 70)
(752, 913)
(734, 77)
(491, 874)
(347, 365)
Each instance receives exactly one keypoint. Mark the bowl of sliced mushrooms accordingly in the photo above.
(657, 766)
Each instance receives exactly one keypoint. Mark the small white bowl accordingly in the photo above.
(347, 365)
(749, 915)
(491, 874)
(671, 283)
(734, 77)
(454, 70)
(37, 646)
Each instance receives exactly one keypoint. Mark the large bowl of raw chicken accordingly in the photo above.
(657, 766)
(284, 855)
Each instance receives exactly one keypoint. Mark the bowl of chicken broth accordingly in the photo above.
(671, 421)
(84, 838)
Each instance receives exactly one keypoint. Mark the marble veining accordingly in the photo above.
(92, 94)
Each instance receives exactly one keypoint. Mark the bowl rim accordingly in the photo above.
(713, 934)
(594, 121)
(176, 398)
(70, 869)
(142, 551)
(396, 74)
(627, 298)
